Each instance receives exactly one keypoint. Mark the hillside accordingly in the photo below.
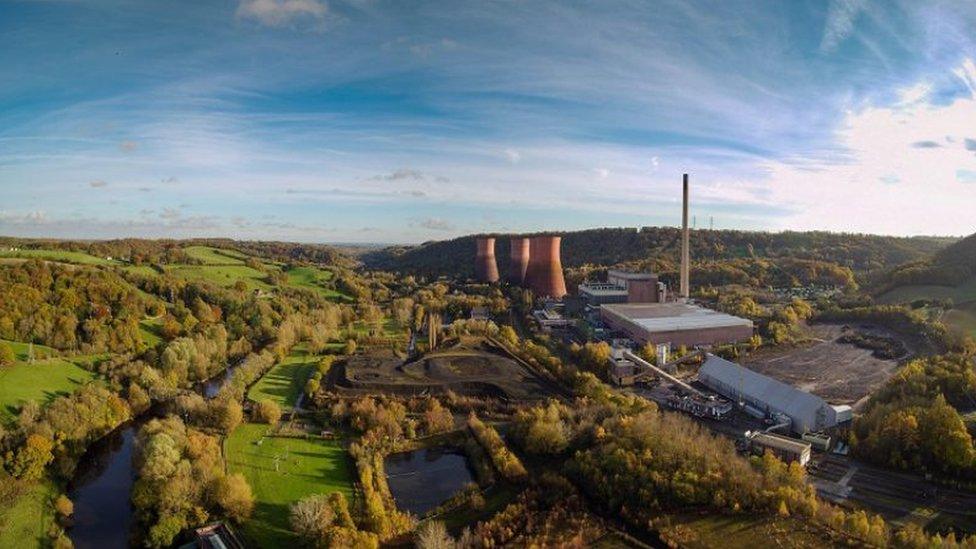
(953, 265)
(659, 246)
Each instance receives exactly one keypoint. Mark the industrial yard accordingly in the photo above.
(839, 372)
(473, 367)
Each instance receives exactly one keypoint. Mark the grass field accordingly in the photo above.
(305, 467)
(283, 383)
(962, 319)
(25, 514)
(144, 270)
(215, 256)
(314, 278)
(907, 294)
(150, 330)
(715, 530)
(80, 258)
(42, 381)
(221, 275)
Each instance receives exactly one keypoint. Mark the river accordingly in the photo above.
(102, 485)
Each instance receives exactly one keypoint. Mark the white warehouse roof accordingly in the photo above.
(808, 412)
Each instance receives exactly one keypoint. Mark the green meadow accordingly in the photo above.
(305, 467)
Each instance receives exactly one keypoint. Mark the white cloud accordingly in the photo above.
(841, 15)
(602, 173)
(98, 183)
(903, 171)
(513, 155)
(279, 13)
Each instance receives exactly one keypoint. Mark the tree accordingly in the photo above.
(29, 461)
(350, 347)
(232, 495)
(227, 413)
(312, 386)
(433, 535)
(64, 507)
(267, 411)
(7, 356)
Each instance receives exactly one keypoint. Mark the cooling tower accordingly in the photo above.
(685, 244)
(544, 275)
(519, 260)
(485, 267)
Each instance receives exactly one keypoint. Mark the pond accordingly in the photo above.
(100, 491)
(423, 479)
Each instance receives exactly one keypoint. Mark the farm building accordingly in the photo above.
(771, 397)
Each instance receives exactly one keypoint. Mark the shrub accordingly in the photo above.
(267, 411)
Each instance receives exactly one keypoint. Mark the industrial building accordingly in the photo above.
(787, 449)
(675, 323)
(486, 268)
(624, 287)
(765, 396)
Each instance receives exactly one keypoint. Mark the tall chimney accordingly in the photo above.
(544, 274)
(685, 245)
(519, 260)
(485, 267)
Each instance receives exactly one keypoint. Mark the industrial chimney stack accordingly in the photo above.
(519, 260)
(685, 245)
(544, 275)
(485, 267)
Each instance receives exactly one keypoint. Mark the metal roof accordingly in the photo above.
(801, 406)
(661, 317)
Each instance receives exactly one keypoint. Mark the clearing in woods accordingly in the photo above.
(41, 381)
(282, 471)
(283, 383)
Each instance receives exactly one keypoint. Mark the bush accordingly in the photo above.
(7, 356)
(63, 506)
(267, 411)
(232, 495)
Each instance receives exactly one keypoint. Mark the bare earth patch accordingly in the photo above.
(838, 372)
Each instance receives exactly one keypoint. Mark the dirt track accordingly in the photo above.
(840, 373)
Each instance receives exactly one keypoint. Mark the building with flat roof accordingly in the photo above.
(623, 287)
(807, 412)
(675, 323)
(787, 449)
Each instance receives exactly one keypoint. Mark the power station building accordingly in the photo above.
(771, 397)
(675, 323)
(624, 287)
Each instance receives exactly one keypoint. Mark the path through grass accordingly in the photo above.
(305, 467)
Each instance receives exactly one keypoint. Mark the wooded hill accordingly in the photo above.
(949, 266)
(659, 248)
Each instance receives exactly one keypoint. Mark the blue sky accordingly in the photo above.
(401, 121)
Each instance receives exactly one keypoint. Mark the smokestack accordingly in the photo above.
(519, 260)
(544, 274)
(685, 245)
(485, 267)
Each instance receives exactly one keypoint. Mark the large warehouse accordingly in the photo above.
(675, 323)
(807, 412)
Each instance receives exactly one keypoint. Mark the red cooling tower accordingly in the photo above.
(485, 267)
(519, 260)
(544, 275)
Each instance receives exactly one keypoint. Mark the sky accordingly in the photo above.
(404, 121)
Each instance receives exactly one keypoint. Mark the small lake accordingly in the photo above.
(423, 479)
(100, 491)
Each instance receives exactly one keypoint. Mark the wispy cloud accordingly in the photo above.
(841, 17)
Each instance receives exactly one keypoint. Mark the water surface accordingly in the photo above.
(423, 479)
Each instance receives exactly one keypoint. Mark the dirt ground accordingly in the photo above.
(839, 372)
(472, 369)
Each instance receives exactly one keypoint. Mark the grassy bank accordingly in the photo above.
(286, 380)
